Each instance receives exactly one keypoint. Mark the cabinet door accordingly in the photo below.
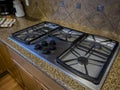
(9, 63)
(14, 71)
(2, 66)
(30, 83)
(2, 58)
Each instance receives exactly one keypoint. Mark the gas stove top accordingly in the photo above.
(85, 57)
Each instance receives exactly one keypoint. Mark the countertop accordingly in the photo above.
(112, 81)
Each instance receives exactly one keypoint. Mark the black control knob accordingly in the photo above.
(38, 47)
(52, 47)
(45, 51)
(52, 42)
(44, 43)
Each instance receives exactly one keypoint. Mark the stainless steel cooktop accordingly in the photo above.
(85, 57)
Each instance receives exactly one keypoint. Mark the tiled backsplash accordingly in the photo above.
(93, 14)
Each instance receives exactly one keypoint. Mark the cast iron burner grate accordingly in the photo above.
(67, 34)
(32, 33)
(89, 58)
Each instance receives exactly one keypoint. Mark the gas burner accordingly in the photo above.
(97, 45)
(89, 57)
(30, 34)
(83, 60)
(67, 34)
(97, 40)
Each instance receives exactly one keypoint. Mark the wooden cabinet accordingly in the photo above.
(30, 82)
(2, 55)
(13, 69)
(9, 64)
(2, 67)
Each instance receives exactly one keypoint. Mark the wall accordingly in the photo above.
(78, 14)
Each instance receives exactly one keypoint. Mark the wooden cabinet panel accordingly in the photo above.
(7, 63)
(2, 66)
(14, 71)
(4, 52)
(2, 58)
(30, 82)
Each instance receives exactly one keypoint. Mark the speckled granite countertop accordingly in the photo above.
(112, 81)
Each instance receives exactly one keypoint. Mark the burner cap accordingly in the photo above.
(38, 47)
(44, 43)
(46, 51)
(83, 60)
(52, 42)
(97, 46)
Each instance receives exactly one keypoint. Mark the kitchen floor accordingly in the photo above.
(8, 83)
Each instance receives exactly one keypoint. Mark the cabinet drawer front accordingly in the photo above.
(2, 67)
(30, 82)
